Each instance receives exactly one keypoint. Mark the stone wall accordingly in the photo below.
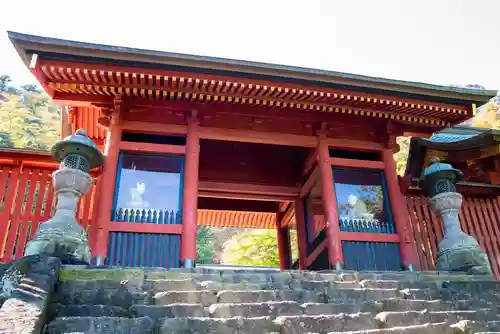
(25, 288)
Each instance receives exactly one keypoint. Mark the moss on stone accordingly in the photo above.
(114, 274)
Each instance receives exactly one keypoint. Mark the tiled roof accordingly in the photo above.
(449, 138)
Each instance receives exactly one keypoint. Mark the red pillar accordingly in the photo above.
(400, 212)
(300, 221)
(335, 254)
(190, 195)
(107, 185)
(283, 238)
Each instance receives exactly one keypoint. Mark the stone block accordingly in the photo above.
(82, 273)
(326, 323)
(359, 295)
(262, 325)
(205, 297)
(249, 310)
(178, 310)
(407, 318)
(258, 296)
(330, 309)
(170, 285)
(220, 286)
(26, 285)
(90, 311)
(101, 325)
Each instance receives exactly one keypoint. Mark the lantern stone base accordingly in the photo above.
(464, 257)
(61, 236)
(457, 251)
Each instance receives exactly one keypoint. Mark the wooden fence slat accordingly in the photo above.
(432, 236)
(488, 247)
(9, 198)
(416, 232)
(495, 217)
(423, 232)
(88, 198)
(478, 223)
(16, 215)
(37, 215)
(26, 214)
(4, 176)
(49, 203)
(461, 216)
(491, 237)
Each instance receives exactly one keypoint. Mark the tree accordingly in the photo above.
(402, 156)
(255, 248)
(5, 140)
(4, 81)
(204, 245)
(31, 88)
(488, 117)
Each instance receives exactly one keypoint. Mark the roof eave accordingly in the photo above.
(23, 42)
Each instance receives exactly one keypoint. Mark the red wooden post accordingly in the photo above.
(190, 195)
(300, 221)
(400, 212)
(335, 254)
(283, 238)
(107, 186)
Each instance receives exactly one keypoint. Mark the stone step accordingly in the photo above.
(464, 327)
(90, 311)
(261, 325)
(100, 325)
(393, 304)
(407, 318)
(116, 297)
(326, 323)
(178, 310)
(394, 284)
(257, 296)
(203, 297)
(252, 310)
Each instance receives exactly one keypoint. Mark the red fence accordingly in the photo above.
(27, 199)
(479, 217)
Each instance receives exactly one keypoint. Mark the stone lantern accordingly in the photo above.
(457, 251)
(62, 236)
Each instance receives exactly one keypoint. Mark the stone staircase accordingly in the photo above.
(215, 301)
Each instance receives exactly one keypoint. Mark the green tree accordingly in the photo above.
(204, 245)
(5, 140)
(4, 81)
(31, 88)
(402, 156)
(255, 248)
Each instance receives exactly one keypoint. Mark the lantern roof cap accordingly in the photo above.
(438, 166)
(78, 144)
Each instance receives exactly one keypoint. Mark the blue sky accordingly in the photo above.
(441, 42)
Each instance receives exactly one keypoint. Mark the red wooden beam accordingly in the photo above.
(152, 148)
(310, 183)
(246, 188)
(251, 197)
(352, 144)
(341, 162)
(145, 228)
(335, 253)
(316, 252)
(190, 193)
(145, 127)
(368, 237)
(311, 160)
